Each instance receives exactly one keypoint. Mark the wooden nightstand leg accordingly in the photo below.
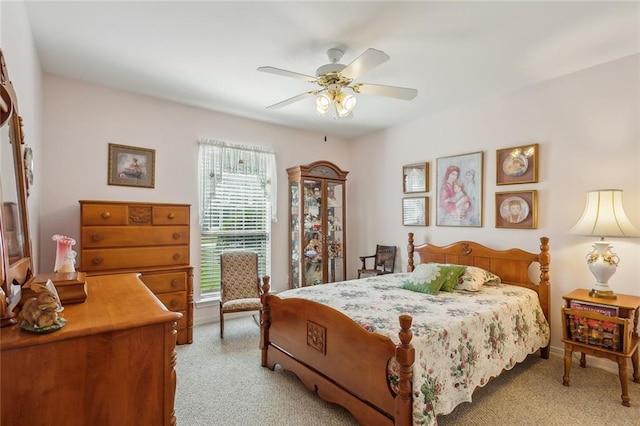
(624, 377)
(634, 360)
(583, 360)
(568, 354)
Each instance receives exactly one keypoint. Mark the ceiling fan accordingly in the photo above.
(334, 78)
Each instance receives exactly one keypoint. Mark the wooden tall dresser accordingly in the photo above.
(149, 238)
(112, 364)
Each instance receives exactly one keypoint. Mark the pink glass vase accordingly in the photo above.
(65, 256)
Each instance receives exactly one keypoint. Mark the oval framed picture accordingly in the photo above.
(517, 209)
(517, 165)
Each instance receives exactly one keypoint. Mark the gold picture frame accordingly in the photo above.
(517, 209)
(131, 166)
(459, 186)
(415, 178)
(517, 165)
(415, 211)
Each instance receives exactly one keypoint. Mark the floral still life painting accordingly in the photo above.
(459, 186)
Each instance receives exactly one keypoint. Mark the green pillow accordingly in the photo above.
(430, 278)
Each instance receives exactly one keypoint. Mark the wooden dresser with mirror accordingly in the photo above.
(114, 360)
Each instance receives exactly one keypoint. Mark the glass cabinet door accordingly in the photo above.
(296, 244)
(313, 250)
(335, 237)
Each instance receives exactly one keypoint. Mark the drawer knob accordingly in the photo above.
(173, 303)
(174, 283)
(171, 216)
(176, 256)
(105, 215)
(96, 260)
(176, 236)
(97, 237)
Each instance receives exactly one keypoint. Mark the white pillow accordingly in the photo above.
(474, 278)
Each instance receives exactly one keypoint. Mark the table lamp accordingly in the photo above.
(604, 217)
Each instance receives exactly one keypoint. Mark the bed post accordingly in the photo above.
(265, 318)
(410, 249)
(405, 356)
(543, 287)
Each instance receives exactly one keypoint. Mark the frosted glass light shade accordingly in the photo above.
(342, 103)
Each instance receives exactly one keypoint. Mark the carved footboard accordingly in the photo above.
(337, 358)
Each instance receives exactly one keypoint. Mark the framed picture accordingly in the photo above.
(517, 165)
(415, 211)
(415, 178)
(459, 190)
(517, 209)
(131, 166)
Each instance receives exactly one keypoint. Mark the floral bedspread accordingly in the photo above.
(462, 339)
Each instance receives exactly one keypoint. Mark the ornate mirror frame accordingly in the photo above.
(17, 263)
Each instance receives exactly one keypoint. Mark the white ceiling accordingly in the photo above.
(206, 53)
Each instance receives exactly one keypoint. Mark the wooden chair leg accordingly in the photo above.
(221, 324)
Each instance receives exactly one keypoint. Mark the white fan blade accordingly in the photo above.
(294, 99)
(286, 73)
(388, 91)
(370, 59)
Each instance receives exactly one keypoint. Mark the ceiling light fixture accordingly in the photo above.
(342, 104)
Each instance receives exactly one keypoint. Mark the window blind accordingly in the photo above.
(235, 215)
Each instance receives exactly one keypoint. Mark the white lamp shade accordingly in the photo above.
(604, 216)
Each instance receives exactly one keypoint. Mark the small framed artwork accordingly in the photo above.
(459, 187)
(415, 211)
(415, 178)
(517, 165)
(517, 209)
(131, 166)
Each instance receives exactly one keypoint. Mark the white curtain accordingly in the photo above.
(218, 158)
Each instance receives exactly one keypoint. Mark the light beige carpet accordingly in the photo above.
(221, 382)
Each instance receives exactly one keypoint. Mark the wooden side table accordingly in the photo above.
(591, 326)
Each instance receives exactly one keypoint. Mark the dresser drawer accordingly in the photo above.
(131, 258)
(170, 215)
(165, 283)
(104, 214)
(133, 236)
(176, 301)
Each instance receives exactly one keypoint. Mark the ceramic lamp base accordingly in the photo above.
(603, 264)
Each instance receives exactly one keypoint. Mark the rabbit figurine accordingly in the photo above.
(41, 311)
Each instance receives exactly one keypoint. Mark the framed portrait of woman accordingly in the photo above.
(459, 190)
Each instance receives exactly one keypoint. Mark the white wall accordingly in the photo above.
(587, 125)
(80, 120)
(24, 72)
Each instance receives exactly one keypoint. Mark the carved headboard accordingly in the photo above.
(512, 265)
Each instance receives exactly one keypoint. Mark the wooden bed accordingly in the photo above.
(346, 364)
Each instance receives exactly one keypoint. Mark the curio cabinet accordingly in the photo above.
(317, 218)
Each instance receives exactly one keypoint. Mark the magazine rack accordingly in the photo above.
(606, 328)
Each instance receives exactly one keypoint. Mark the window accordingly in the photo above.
(237, 205)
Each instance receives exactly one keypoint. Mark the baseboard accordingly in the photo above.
(592, 361)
